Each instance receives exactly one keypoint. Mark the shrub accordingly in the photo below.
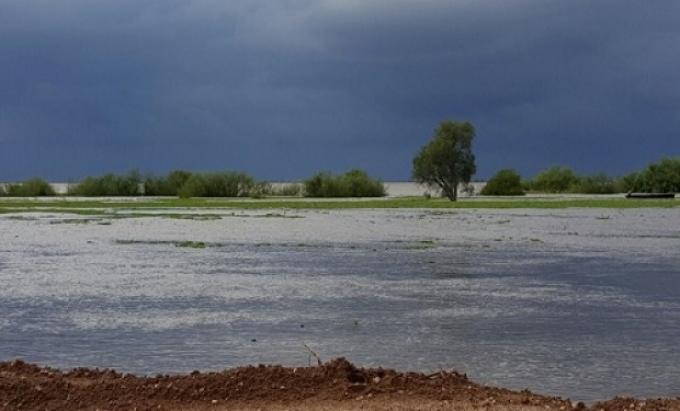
(108, 185)
(661, 177)
(33, 187)
(354, 183)
(226, 184)
(595, 184)
(166, 186)
(553, 180)
(2, 190)
(631, 182)
(505, 182)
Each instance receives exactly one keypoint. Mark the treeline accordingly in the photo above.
(186, 184)
(660, 177)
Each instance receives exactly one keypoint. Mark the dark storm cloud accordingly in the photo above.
(285, 88)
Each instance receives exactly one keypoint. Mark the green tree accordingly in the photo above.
(446, 160)
(506, 182)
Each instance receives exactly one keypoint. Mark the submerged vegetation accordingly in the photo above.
(190, 244)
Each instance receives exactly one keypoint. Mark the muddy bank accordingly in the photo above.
(332, 386)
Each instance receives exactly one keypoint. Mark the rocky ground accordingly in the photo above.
(336, 385)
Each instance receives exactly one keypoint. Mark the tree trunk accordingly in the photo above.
(450, 191)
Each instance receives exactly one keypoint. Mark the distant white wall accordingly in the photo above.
(408, 188)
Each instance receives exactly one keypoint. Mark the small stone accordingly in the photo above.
(376, 380)
(214, 401)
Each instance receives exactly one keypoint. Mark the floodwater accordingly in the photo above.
(581, 303)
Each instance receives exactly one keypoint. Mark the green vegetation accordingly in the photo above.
(596, 184)
(506, 182)
(660, 177)
(354, 183)
(166, 186)
(553, 180)
(121, 209)
(447, 160)
(109, 185)
(226, 184)
(33, 187)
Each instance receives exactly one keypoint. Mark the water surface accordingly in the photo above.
(577, 303)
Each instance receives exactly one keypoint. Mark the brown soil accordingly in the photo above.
(336, 385)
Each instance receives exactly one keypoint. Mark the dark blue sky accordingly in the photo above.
(284, 88)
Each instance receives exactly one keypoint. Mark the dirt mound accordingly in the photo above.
(633, 404)
(29, 387)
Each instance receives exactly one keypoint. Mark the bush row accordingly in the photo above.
(33, 187)
(185, 184)
(354, 183)
(660, 177)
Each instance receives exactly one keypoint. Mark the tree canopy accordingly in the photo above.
(447, 160)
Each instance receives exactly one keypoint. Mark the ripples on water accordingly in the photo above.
(583, 322)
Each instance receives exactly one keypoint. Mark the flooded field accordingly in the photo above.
(581, 303)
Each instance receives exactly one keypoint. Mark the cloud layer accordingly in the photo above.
(285, 88)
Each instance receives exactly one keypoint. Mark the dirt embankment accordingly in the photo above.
(336, 385)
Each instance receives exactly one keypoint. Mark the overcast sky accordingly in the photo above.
(284, 88)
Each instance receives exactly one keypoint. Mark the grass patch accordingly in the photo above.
(109, 207)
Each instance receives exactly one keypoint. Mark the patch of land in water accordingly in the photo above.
(336, 385)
